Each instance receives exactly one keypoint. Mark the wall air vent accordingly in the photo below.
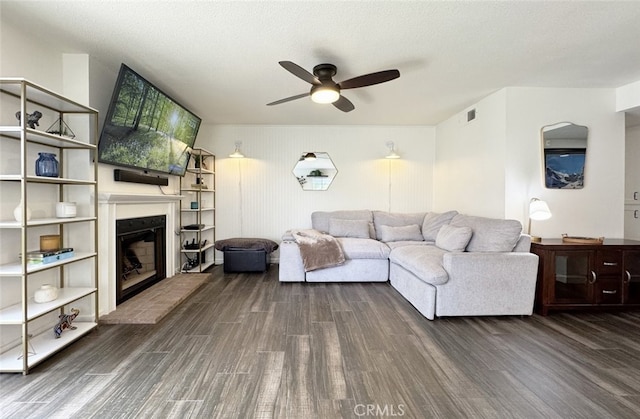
(471, 115)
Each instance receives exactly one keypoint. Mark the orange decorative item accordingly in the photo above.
(50, 243)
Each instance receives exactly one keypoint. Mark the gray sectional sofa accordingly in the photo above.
(444, 264)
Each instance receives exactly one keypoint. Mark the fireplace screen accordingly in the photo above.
(140, 254)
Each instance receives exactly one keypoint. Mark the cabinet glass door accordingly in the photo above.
(632, 276)
(573, 278)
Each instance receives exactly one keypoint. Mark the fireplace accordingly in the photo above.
(140, 254)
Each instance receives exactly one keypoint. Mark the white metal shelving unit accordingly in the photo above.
(204, 214)
(76, 277)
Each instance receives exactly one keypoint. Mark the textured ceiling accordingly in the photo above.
(221, 58)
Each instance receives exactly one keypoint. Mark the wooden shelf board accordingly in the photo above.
(46, 221)
(196, 210)
(199, 268)
(13, 314)
(15, 268)
(205, 247)
(205, 228)
(44, 179)
(44, 344)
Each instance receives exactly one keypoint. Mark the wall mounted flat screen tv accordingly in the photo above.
(145, 128)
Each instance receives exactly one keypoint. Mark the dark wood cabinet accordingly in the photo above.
(575, 276)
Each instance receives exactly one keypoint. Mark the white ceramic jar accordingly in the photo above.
(45, 294)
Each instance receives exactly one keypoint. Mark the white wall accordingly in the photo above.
(470, 160)
(259, 196)
(36, 60)
(597, 209)
(502, 150)
(628, 96)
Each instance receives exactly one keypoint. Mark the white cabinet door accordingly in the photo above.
(632, 222)
(632, 169)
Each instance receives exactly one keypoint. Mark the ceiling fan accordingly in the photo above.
(325, 90)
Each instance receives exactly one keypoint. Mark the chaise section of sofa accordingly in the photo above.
(488, 271)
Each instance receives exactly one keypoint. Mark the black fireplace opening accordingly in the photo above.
(140, 254)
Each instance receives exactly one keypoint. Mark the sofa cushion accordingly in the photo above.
(393, 234)
(489, 234)
(394, 219)
(320, 219)
(355, 248)
(453, 238)
(425, 262)
(433, 221)
(393, 245)
(349, 228)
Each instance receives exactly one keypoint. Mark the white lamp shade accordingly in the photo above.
(392, 151)
(539, 210)
(237, 154)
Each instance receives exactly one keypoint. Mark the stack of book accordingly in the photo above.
(42, 258)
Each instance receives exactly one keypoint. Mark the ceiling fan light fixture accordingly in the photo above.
(324, 94)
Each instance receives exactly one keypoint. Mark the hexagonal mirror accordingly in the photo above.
(315, 171)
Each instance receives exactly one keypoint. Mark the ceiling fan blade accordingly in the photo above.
(288, 99)
(369, 79)
(344, 104)
(300, 72)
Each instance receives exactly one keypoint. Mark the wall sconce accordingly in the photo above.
(392, 152)
(237, 154)
(538, 210)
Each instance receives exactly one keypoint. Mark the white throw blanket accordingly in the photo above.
(318, 250)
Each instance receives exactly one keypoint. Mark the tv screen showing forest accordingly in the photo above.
(146, 129)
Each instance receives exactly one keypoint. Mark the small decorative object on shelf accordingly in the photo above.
(192, 262)
(193, 227)
(47, 165)
(50, 243)
(66, 209)
(586, 240)
(42, 258)
(65, 322)
(193, 245)
(32, 350)
(199, 184)
(17, 213)
(32, 118)
(45, 294)
(61, 128)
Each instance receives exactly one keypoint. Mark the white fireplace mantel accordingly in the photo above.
(113, 197)
(114, 206)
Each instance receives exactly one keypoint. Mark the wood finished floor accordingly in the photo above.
(247, 346)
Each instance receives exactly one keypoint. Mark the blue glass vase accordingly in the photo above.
(47, 165)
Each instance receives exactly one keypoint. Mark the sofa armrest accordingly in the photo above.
(291, 268)
(483, 283)
(288, 236)
(523, 244)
